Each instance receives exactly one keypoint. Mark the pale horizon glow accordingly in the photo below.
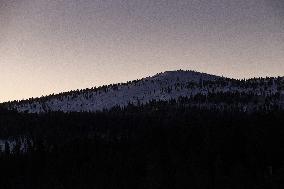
(52, 46)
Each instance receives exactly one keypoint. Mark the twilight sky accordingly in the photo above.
(49, 46)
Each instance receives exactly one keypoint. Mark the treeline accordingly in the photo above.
(157, 145)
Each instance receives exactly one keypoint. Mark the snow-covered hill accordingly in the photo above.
(162, 86)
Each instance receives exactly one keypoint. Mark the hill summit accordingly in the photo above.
(198, 88)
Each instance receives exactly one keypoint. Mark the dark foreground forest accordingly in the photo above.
(159, 145)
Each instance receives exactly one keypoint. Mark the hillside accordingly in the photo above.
(201, 88)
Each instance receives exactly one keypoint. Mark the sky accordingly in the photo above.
(50, 46)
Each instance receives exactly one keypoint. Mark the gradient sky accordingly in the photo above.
(49, 46)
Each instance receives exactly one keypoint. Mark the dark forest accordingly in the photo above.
(157, 145)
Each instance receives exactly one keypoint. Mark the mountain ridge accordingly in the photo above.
(163, 86)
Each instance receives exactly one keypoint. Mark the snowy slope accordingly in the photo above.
(162, 86)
